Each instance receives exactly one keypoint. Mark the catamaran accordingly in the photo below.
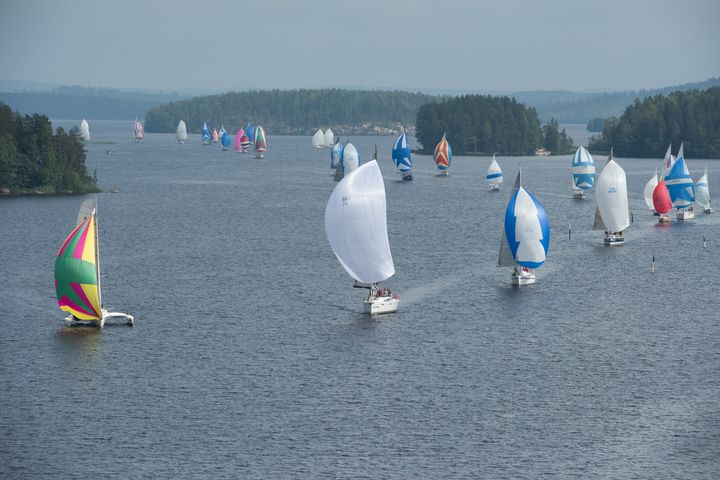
(356, 227)
(138, 131)
(702, 193)
(77, 273)
(260, 142)
(681, 187)
(661, 201)
(401, 156)
(612, 213)
(329, 138)
(181, 132)
(494, 175)
(648, 192)
(318, 140)
(206, 135)
(443, 156)
(583, 168)
(85, 130)
(348, 162)
(526, 235)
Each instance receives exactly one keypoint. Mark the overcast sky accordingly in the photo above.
(492, 45)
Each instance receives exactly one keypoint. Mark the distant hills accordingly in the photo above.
(106, 103)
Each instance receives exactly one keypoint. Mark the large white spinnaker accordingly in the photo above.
(612, 198)
(356, 225)
(318, 140)
(181, 131)
(649, 189)
(329, 138)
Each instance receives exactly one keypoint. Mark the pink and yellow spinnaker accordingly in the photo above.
(76, 272)
(443, 155)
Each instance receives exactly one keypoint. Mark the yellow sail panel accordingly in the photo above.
(88, 252)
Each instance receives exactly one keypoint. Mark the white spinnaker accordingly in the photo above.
(702, 191)
(329, 138)
(318, 140)
(493, 170)
(181, 131)
(528, 231)
(612, 199)
(85, 130)
(351, 158)
(356, 225)
(649, 189)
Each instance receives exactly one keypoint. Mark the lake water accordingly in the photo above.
(251, 358)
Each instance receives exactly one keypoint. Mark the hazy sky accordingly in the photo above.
(496, 45)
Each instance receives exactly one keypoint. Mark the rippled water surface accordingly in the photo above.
(250, 357)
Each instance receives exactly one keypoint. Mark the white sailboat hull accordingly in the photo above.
(522, 278)
(72, 321)
(611, 239)
(685, 215)
(494, 187)
(579, 194)
(380, 305)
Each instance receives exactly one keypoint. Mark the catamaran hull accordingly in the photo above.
(381, 305)
(72, 321)
(685, 215)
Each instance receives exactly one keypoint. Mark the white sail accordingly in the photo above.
(356, 225)
(85, 130)
(494, 173)
(329, 138)
(612, 198)
(318, 140)
(649, 189)
(350, 158)
(702, 192)
(181, 131)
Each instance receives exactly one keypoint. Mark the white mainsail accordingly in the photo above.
(181, 131)
(612, 198)
(318, 140)
(649, 189)
(702, 192)
(356, 225)
(85, 130)
(329, 138)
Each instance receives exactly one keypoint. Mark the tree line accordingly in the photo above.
(487, 124)
(290, 111)
(33, 157)
(648, 126)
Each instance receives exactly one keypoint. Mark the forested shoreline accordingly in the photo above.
(34, 159)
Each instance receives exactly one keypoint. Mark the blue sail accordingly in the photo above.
(680, 184)
(335, 154)
(206, 133)
(527, 229)
(401, 154)
(225, 140)
(583, 168)
(250, 132)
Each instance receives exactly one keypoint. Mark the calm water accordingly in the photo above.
(250, 357)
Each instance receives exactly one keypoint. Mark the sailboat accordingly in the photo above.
(494, 175)
(206, 135)
(443, 156)
(661, 201)
(250, 132)
(681, 187)
(181, 132)
(583, 168)
(225, 141)
(85, 130)
(329, 138)
(401, 156)
(215, 136)
(138, 131)
(77, 273)
(356, 227)
(526, 235)
(260, 142)
(612, 213)
(238, 140)
(702, 193)
(318, 140)
(335, 154)
(245, 143)
(648, 192)
(348, 162)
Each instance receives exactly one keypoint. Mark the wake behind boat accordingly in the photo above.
(77, 273)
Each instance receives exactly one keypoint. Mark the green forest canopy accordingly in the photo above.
(32, 157)
(647, 127)
(290, 111)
